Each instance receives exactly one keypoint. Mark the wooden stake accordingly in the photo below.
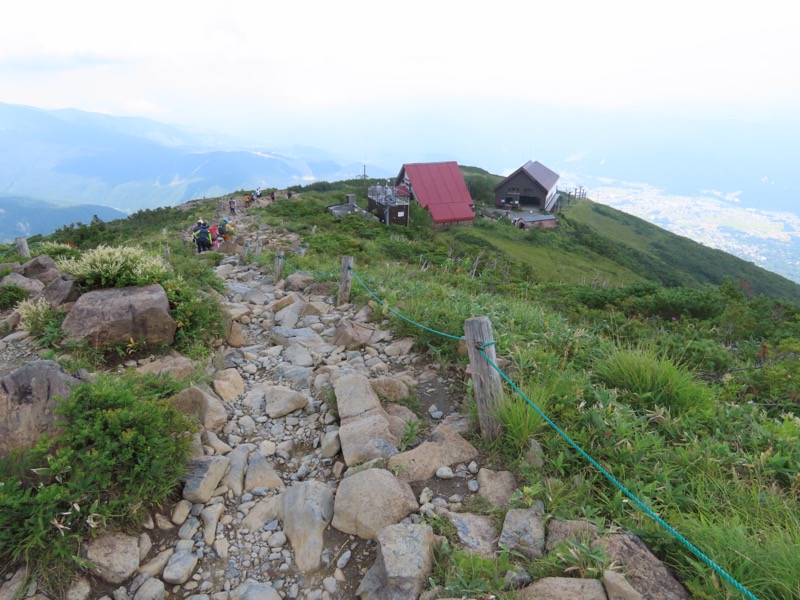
(278, 266)
(22, 247)
(486, 382)
(345, 281)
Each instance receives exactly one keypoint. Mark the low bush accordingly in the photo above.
(107, 267)
(11, 295)
(121, 449)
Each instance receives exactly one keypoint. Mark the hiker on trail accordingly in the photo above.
(258, 193)
(232, 205)
(272, 196)
(289, 194)
(202, 237)
(214, 236)
(225, 229)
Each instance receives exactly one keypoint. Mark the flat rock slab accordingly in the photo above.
(476, 532)
(115, 556)
(444, 447)
(559, 588)
(204, 475)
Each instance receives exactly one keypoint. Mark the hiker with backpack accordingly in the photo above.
(232, 205)
(202, 236)
(225, 229)
(214, 236)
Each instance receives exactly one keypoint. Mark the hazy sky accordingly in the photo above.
(237, 66)
(439, 76)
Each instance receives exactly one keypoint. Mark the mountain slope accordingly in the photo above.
(26, 217)
(71, 156)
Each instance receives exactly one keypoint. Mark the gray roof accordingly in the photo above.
(542, 174)
(534, 218)
(537, 172)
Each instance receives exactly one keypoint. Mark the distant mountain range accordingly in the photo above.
(70, 157)
(55, 160)
(25, 217)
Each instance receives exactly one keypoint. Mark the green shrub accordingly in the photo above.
(55, 250)
(121, 449)
(106, 266)
(199, 316)
(651, 380)
(41, 319)
(11, 295)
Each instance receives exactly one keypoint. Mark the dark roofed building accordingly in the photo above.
(531, 186)
(441, 190)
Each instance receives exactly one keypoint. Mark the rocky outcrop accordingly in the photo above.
(105, 317)
(28, 398)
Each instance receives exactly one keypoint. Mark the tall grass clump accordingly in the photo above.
(753, 532)
(11, 295)
(108, 267)
(519, 419)
(649, 380)
(120, 450)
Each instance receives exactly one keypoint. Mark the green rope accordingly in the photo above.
(390, 309)
(621, 487)
(647, 510)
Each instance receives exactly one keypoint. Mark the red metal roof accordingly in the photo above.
(440, 188)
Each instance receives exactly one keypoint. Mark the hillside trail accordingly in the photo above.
(238, 545)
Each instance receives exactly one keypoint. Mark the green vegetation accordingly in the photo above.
(11, 295)
(685, 394)
(672, 365)
(121, 450)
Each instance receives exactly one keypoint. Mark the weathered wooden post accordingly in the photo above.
(243, 253)
(257, 251)
(486, 382)
(278, 266)
(345, 281)
(22, 247)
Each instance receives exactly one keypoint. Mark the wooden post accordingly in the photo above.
(278, 266)
(486, 382)
(243, 253)
(22, 247)
(345, 281)
(257, 251)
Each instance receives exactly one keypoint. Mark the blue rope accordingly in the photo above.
(447, 335)
(621, 487)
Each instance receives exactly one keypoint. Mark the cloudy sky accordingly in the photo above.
(435, 75)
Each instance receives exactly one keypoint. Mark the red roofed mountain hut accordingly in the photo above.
(441, 190)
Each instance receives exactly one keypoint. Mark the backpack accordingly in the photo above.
(203, 235)
(222, 228)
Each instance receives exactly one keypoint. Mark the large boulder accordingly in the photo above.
(403, 565)
(41, 267)
(369, 501)
(32, 286)
(648, 575)
(105, 317)
(27, 402)
(61, 290)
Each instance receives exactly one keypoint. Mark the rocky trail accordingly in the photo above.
(305, 482)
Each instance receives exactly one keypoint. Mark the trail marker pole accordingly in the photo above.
(345, 281)
(278, 266)
(487, 385)
(22, 247)
(243, 253)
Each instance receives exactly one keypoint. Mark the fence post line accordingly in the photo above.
(345, 281)
(278, 266)
(486, 382)
(22, 247)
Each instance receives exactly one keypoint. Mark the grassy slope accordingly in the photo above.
(671, 259)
